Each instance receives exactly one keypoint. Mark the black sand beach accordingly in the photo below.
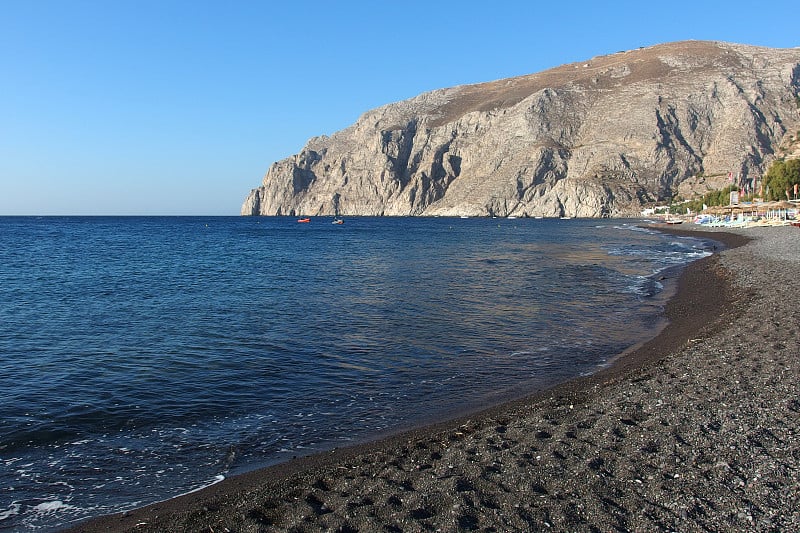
(696, 430)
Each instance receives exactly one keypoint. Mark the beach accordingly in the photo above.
(695, 430)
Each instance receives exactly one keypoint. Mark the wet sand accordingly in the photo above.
(696, 430)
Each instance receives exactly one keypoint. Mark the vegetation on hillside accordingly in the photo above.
(778, 184)
(780, 179)
(711, 198)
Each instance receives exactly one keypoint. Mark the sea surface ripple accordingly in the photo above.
(144, 357)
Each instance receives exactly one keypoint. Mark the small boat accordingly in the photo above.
(673, 221)
(337, 221)
(304, 220)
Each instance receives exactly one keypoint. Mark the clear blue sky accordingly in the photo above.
(179, 107)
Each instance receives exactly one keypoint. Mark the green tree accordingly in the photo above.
(781, 177)
(711, 198)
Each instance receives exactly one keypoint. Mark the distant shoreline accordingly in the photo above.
(563, 451)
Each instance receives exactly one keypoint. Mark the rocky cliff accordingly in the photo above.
(597, 138)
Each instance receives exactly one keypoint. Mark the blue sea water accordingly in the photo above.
(145, 357)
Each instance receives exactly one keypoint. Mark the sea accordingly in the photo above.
(146, 357)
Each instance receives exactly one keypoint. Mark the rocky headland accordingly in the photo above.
(601, 137)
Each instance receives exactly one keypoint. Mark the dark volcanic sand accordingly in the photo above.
(696, 430)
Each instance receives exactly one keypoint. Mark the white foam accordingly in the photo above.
(634, 228)
(12, 510)
(216, 480)
(54, 505)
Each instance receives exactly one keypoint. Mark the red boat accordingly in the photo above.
(304, 220)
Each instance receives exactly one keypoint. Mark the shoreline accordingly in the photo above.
(513, 466)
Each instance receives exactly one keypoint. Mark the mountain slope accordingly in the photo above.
(590, 139)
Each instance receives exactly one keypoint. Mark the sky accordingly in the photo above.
(168, 107)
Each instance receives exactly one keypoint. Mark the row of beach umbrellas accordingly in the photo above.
(766, 208)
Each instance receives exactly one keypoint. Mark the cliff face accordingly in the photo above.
(590, 139)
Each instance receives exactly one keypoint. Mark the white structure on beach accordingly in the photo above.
(653, 210)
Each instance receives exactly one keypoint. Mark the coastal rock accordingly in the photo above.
(598, 138)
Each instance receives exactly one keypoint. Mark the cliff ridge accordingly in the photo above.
(597, 138)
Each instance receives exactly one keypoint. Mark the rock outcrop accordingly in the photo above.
(598, 138)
